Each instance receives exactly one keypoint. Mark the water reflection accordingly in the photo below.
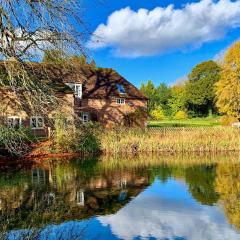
(119, 198)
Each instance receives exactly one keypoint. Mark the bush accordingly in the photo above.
(68, 138)
(157, 114)
(181, 115)
(228, 120)
(86, 138)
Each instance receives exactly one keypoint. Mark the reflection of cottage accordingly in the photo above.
(122, 195)
(80, 198)
(38, 176)
(72, 196)
(50, 197)
(123, 183)
(89, 94)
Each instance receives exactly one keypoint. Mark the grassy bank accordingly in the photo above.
(193, 122)
(202, 139)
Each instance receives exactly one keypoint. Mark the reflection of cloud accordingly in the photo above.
(168, 218)
(145, 33)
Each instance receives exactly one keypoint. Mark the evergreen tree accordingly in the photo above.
(149, 91)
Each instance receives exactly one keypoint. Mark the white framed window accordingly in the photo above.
(37, 122)
(85, 117)
(77, 88)
(14, 122)
(120, 101)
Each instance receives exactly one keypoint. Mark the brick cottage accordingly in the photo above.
(90, 94)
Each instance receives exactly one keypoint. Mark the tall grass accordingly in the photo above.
(148, 160)
(204, 139)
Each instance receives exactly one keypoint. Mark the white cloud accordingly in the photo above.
(145, 33)
(163, 217)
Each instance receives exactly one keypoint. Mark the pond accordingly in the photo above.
(138, 197)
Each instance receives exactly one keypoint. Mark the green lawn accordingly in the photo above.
(193, 122)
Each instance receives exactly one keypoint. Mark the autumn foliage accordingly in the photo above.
(228, 87)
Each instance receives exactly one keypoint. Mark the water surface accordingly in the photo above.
(140, 197)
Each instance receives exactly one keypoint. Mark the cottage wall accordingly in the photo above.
(107, 111)
(11, 106)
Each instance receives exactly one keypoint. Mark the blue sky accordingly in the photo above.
(159, 42)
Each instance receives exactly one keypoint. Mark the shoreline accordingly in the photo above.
(41, 157)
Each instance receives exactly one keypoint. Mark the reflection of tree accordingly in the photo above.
(201, 183)
(200, 179)
(228, 186)
(163, 173)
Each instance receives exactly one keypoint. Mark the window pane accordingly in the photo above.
(85, 117)
(121, 88)
(16, 122)
(40, 122)
(34, 122)
(120, 101)
(10, 122)
(78, 90)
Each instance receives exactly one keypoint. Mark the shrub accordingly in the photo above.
(157, 114)
(86, 138)
(68, 138)
(181, 115)
(228, 120)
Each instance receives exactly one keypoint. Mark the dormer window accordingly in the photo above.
(120, 88)
(77, 88)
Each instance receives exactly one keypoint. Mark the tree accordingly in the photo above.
(177, 102)
(163, 95)
(158, 96)
(80, 60)
(27, 26)
(200, 94)
(93, 64)
(228, 87)
(27, 29)
(149, 90)
(53, 56)
(30, 27)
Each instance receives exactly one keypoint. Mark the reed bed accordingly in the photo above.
(189, 139)
(123, 161)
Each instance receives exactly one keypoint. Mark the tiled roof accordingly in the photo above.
(97, 82)
(103, 83)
